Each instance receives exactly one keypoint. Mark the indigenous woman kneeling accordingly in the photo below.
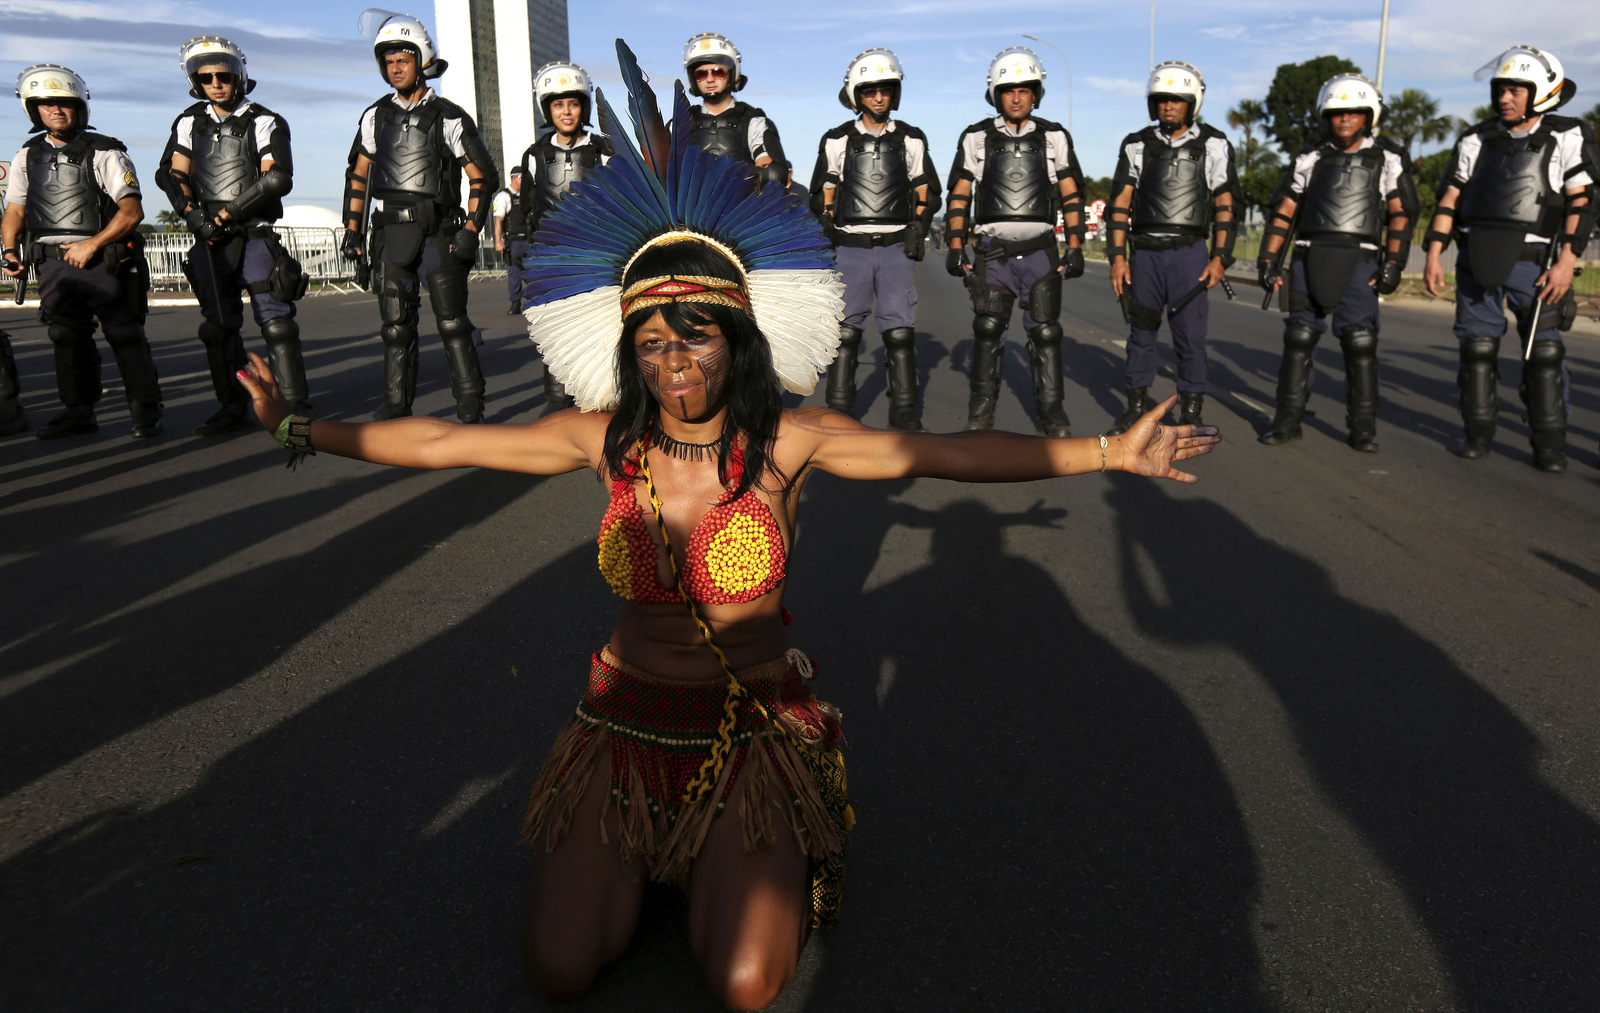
(699, 755)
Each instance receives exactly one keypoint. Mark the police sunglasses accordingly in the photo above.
(700, 72)
(220, 77)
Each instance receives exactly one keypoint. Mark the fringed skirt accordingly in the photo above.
(658, 732)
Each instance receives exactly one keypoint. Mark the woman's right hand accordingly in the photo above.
(265, 398)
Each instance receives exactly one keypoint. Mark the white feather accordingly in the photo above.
(578, 337)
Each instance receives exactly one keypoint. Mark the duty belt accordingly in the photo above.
(1139, 242)
(1530, 251)
(110, 254)
(1018, 247)
(398, 216)
(866, 240)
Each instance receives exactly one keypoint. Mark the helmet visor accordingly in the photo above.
(370, 21)
(1489, 69)
(225, 61)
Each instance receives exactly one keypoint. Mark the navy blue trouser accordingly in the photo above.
(1160, 279)
(881, 274)
(253, 267)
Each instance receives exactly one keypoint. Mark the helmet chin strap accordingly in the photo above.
(1170, 128)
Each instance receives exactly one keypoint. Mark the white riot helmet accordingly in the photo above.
(709, 47)
(1547, 82)
(1351, 93)
(213, 51)
(1017, 65)
(44, 81)
(1176, 79)
(563, 80)
(874, 66)
(389, 31)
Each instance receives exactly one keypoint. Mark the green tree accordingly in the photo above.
(1429, 171)
(1592, 117)
(1253, 152)
(1413, 116)
(1096, 189)
(1258, 186)
(1292, 100)
(169, 221)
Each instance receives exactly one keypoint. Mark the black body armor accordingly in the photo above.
(1344, 197)
(876, 189)
(1017, 184)
(412, 158)
(1510, 185)
(225, 159)
(558, 169)
(64, 198)
(1172, 195)
(726, 134)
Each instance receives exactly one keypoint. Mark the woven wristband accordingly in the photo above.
(298, 438)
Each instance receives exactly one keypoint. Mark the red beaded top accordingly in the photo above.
(735, 554)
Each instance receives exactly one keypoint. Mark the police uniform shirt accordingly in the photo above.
(501, 205)
(1388, 181)
(452, 126)
(1567, 167)
(530, 164)
(919, 166)
(113, 171)
(1216, 163)
(266, 131)
(1058, 154)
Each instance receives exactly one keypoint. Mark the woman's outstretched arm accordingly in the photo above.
(566, 441)
(841, 446)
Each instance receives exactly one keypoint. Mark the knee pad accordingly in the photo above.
(394, 302)
(61, 334)
(1046, 335)
(457, 328)
(849, 337)
(988, 327)
(447, 291)
(124, 334)
(280, 331)
(1044, 298)
(1480, 348)
(1547, 354)
(1301, 336)
(1359, 341)
(398, 335)
(900, 337)
(213, 333)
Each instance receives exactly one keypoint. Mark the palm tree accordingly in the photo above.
(1253, 156)
(169, 221)
(1592, 117)
(1414, 116)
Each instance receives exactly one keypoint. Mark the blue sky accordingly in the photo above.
(319, 73)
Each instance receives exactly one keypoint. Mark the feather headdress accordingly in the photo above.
(663, 189)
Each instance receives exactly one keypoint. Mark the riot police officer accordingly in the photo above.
(1353, 199)
(77, 196)
(556, 161)
(510, 241)
(1175, 186)
(1520, 190)
(409, 153)
(722, 124)
(877, 192)
(226, 170)
(1001, 229)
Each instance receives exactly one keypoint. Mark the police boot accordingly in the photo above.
(1048, 387)
(466, 375)
(282, 336)
(901, 365)
(1479, 382)
(1298, 341)
(1138, 404)
(841, 396)
(1547, 409)
(77, 361)
(556, 398)
(987, 332)
(224, 358)
(12, 418)
(399, 372)
(139, 378)
(1360, 346)
(1190, 402)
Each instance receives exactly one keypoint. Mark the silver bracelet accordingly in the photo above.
(1102, 453)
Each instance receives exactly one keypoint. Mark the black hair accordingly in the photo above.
(755, 398)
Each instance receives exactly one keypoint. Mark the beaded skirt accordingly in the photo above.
(657, 733)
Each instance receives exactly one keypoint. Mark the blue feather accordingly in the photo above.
(653, 138)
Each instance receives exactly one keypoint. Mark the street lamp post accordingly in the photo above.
(1068, 63)
(1383, 43)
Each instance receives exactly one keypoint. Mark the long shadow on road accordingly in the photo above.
(1432, 770)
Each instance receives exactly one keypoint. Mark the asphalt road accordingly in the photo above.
(1317, 733)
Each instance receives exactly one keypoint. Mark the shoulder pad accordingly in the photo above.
(1137, 137)
(1558, 124)
(1048, 125)
(257, 109)
(1389, 144)
(449, 108)
(911, 131)
(745, 109)
(980, 127)
(842, 130)
(100, 142)
(1207, 130)
(193, 110)
(1480, 127)
(382, 100)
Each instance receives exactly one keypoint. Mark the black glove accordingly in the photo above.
(200, 224)
(1072, 263)
(1388, 277)
(465, 245)
(1267, 275)
(350, 249)
(915, 242)
(955, 264)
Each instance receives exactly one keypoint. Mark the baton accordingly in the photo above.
(1122, 303)
(1536, 310)
(216, 286)
(1189, 297)
(22, 262)
(1227, 289)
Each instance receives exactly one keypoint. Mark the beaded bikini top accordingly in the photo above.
(735, 554)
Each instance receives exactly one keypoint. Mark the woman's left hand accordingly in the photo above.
(265, 398)
(1150, 448)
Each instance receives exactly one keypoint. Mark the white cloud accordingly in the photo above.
(1123, 86)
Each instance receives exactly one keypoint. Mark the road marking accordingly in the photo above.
(1251, 404)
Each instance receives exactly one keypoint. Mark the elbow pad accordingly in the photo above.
(273, 184)
(1579, 240)
(773, 172)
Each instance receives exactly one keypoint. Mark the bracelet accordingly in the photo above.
(294, 435)
(281, 434)
(1102, 453)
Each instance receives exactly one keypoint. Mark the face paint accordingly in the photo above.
(687, 376)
